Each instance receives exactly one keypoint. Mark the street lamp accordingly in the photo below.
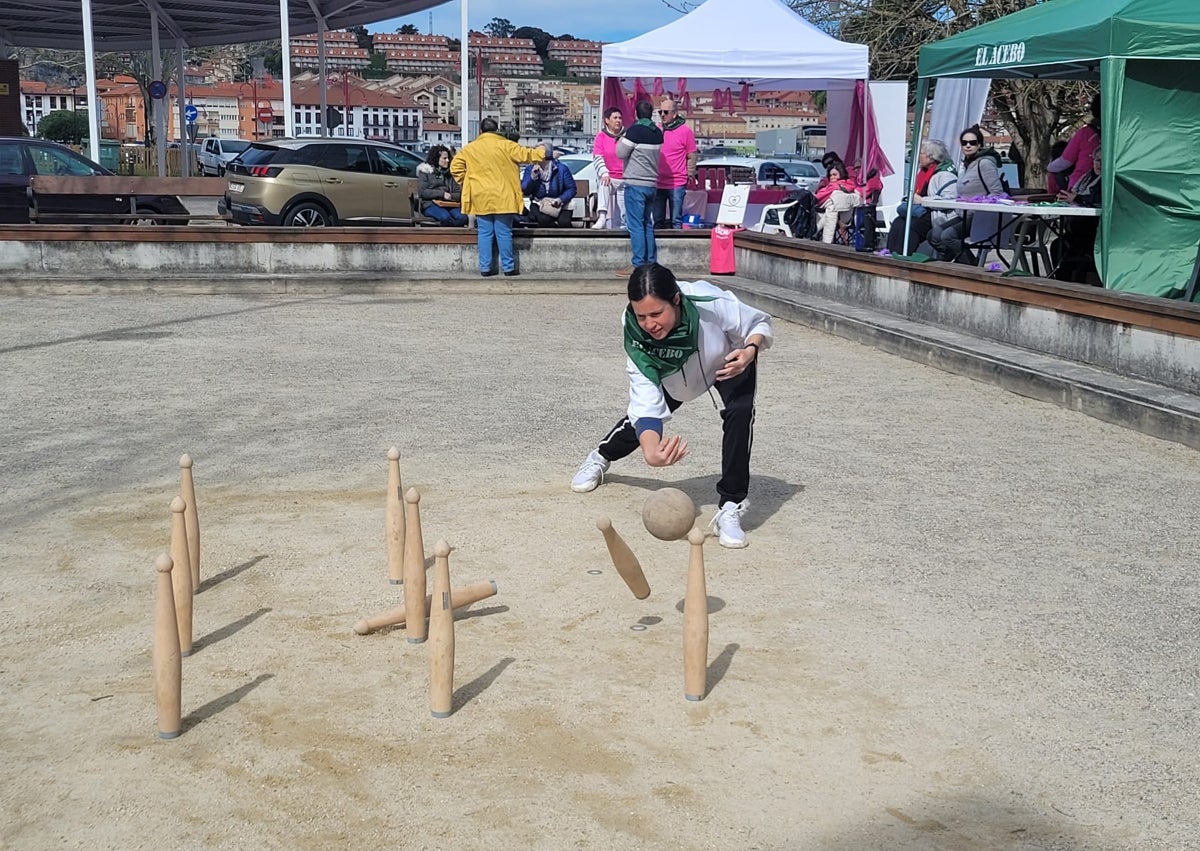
(344, 78)
(74, 81)
(479, 78)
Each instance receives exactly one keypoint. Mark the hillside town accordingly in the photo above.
(418, 104)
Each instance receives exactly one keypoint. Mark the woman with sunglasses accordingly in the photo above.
(979, 176)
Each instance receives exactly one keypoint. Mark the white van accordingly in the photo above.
(215, 154)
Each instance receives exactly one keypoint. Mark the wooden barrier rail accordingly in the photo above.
(120, 186)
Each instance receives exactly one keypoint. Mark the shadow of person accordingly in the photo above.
(208, 710)
(767, 493)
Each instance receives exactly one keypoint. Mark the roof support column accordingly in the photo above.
(322, 77)
(285, 39)
(89, 60)
(185, 148)
(464, 60)
(160, 105)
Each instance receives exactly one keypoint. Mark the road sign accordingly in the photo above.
(157, 89)
(191, 113)
(265, 114)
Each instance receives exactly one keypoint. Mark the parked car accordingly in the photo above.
(216, 153)
(320, 183)
(807, 175)
(20, 158)
(765, 174)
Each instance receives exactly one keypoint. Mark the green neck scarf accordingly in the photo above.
(657, 359)
(679, 119)
(646, 122)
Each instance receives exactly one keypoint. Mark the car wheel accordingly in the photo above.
(220, 171)
(308, 214)
(146, 217)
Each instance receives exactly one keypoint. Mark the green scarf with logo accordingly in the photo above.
(657, 359)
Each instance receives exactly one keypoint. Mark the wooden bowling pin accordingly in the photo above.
(441, 636)
(181, 576)
(168, 670)
(191, 518)
(623, 559)
(695, 622)
(461, 598)
(414, 568)
(394, 522)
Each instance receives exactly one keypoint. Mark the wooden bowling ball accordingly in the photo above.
(668, 514)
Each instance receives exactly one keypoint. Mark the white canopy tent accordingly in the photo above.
(729, 42)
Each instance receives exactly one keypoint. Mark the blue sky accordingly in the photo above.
(599, 20)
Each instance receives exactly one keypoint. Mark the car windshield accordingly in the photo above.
(800, 169)
(234, 145)
(262, 155)
(47, 160)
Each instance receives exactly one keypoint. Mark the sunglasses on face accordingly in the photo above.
(666, 111)
(971, 142)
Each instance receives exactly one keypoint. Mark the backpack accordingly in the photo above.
(800, 218)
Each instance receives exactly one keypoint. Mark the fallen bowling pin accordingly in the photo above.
(168, 669)
(623, 559)
(695, 622)
(394, 520)
(441, 636)
(181, 575)
(461, 597)
(414, 568)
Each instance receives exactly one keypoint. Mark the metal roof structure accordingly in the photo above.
(125, 24)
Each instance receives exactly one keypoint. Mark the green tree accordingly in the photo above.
(408, 29)
(541, 39)
(378, 69)
(63, 125)
(499, 28)
(363, 38)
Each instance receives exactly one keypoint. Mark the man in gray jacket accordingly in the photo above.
(638, 151)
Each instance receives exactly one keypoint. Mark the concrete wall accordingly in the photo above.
(1164, 358)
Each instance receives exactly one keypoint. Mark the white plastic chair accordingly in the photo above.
(771, 219)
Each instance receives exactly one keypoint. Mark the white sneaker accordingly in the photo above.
(591, 473)
(600, 224)
(727, 523)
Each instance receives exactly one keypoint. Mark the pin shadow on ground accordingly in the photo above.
(223, 702)
(718, 667)
(715, 604)
(767, 493)
(218, 578)
(466, 693)
(227, 630)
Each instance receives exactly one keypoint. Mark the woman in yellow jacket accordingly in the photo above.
(491, 190)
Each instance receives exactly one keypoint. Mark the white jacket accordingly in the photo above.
(724, 326)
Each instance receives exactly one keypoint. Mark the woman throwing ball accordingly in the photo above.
(683, 340)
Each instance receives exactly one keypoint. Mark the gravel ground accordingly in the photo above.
(964, 620)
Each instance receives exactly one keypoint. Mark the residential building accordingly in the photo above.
(438, 133)
(333, 38)
(538, 114)
(405, 41)
(421, 60)
(582, 58)
(38, 99)
(337, 58)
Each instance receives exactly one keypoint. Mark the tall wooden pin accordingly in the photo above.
(394, 522)
(191, 517)
(414, 568)
(695, 622)
(441, 636)
(462, 596)
(181, 576)
(168, 670)
(624, 560)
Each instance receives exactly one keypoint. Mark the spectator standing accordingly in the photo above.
(491, 190)
(551, 188)
(610, 195)
(1077, 156)
(440, 195)
(676, 163)
(638, 151)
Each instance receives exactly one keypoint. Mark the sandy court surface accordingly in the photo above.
(964, 620)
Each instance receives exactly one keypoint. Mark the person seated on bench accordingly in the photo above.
(936, 178)
(550, 188)
(979, 176)
(440, 193)
(838, 195)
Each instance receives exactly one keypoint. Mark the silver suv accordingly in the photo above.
(320, 183)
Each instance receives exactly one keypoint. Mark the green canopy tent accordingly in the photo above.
(1146, 55)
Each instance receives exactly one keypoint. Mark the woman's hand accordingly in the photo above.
(736, 362)
(667, 452)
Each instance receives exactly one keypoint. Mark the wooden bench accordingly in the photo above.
(45, 185)
(583, 208)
